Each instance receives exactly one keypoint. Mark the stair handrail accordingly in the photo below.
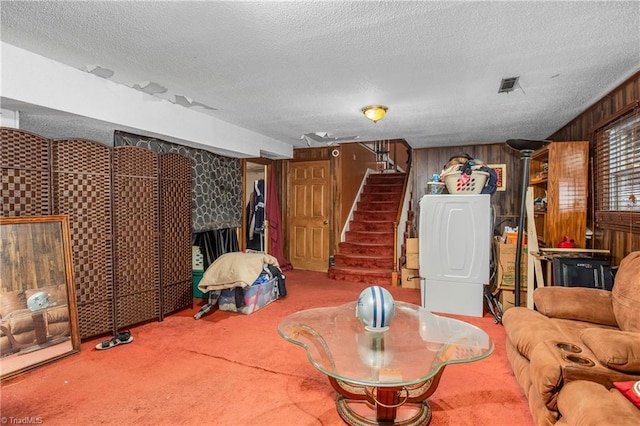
(401, 217)
(356, 199)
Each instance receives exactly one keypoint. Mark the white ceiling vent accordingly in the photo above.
(508, 84)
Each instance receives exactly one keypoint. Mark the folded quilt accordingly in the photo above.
(236, 269)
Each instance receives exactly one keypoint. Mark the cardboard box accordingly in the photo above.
(506, 266)
(512, 238)
(413, 261)
(508, 299)
(405, 282)
(412, 245)
(255, 297)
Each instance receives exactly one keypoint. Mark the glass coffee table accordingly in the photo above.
(384, 377)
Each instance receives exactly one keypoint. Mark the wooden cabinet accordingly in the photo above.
(559, 178)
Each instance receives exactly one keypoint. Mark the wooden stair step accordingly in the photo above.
(362, 275)
(366, 248)
(382, 188)
(381, 196)
(380, 216)
(371, 225)
(369, 236)
(363, 261)
(376, 206)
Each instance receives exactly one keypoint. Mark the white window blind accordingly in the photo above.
(617, 172)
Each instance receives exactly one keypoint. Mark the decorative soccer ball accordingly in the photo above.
(375, 308)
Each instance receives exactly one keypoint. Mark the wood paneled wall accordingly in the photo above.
(347, 171)
(583, 127)
(354, 162)
(427, 161)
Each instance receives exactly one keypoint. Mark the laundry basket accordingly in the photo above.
(474, 185)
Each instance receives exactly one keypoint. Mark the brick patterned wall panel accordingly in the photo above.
(216, 182)
(135, 225)
(175, 232)
(82, 189)
(26, 181)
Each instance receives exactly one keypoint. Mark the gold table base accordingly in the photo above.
(385, 405)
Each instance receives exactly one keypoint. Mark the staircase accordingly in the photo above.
(367, 253)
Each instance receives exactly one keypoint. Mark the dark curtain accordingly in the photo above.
(272, 214)
(214, 244)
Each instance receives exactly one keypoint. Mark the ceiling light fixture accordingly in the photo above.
(375, 112)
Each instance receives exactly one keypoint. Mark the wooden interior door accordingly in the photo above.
(308, 215)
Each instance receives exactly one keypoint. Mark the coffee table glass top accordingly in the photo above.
(414, 348)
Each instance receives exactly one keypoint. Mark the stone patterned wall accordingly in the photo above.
(216, 182)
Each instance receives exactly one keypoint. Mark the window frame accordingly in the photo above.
(611, 210)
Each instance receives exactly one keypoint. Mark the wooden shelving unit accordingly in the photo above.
(559, 178)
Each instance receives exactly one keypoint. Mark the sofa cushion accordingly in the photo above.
(576, 303)
(12, 301)
(618, 350)
(58, 329)
(20, 321)
(542, 416)
(626, 293)
(573, 329)
(526, 328)
(589, 403)
(59, 314)
(520, 367)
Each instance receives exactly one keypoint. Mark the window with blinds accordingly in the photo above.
(617, 172)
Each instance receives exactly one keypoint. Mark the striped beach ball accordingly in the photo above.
(375, 308)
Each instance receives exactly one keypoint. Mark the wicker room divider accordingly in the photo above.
(26, 183)
(82, 189)
(136, 230)
(175, 222)
(131, 246)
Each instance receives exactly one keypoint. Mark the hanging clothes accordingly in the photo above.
(250, 242)
(275, 224)
(256, 217)
(214, 244)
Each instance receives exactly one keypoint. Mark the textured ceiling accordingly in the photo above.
(282, 69)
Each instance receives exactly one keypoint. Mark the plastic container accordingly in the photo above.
(196, 276)
(435, 188)
(255, 297)
(474, 185)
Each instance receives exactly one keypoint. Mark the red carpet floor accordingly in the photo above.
(233, 369)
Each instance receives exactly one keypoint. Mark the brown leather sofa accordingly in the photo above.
(589, 403)
(21, 327)
(576, 333)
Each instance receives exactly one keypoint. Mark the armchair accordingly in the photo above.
(575, 333)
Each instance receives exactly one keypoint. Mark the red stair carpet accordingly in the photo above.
(366, 255)
(231, 369)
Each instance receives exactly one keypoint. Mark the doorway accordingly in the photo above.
(255, 232)
(308, 214)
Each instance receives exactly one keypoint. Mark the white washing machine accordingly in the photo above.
(455, 245)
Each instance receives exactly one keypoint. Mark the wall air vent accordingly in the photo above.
(508, 84)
